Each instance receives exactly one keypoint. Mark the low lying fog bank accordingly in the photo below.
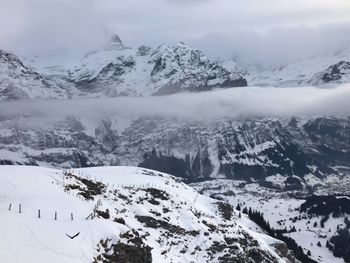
(224, 103)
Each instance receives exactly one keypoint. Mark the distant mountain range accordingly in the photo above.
(297, 153)
(116, 70)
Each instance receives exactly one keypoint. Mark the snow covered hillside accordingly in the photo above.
(121, 214)
(290, 211)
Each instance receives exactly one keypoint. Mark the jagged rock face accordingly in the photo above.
(249, 150)
(332, 139)
(117, 70)
(182, 68)
(337, 73)
(18, 81)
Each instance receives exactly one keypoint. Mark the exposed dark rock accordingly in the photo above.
(233, 253)
(155, 223)
(225, 209)
(157, 194)
(337, 73)
(119, 220)
(130, 250)
(86, 188)
(282, 250)
(103, 214)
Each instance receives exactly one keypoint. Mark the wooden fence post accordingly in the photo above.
(38, 213)
(20, 208)
(10, 207)
(71, 216)
(55, 215)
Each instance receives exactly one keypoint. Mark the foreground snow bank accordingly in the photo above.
(118, 214)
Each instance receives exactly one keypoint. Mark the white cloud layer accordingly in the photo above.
(235, 103)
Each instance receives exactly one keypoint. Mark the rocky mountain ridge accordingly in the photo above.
(116, 70)
(279, 153)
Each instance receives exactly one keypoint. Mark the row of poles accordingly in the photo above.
(39, 212)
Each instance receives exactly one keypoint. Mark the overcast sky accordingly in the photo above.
(255, 30)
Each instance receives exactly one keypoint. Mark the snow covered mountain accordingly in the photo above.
(18, 81)
(122, 214)
(337, 73)
(283, 153)
(324, 69)
(116, 70)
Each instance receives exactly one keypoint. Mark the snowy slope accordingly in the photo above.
(18, 81)
(140, 216)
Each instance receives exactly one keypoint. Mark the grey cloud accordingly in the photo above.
(278, 44)
(253, 29)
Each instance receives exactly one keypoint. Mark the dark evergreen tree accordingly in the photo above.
(326, 205)
(238, 207)
(250, 211)
(323, 220)
(340, 244)
(293, 229)
(347, 222)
